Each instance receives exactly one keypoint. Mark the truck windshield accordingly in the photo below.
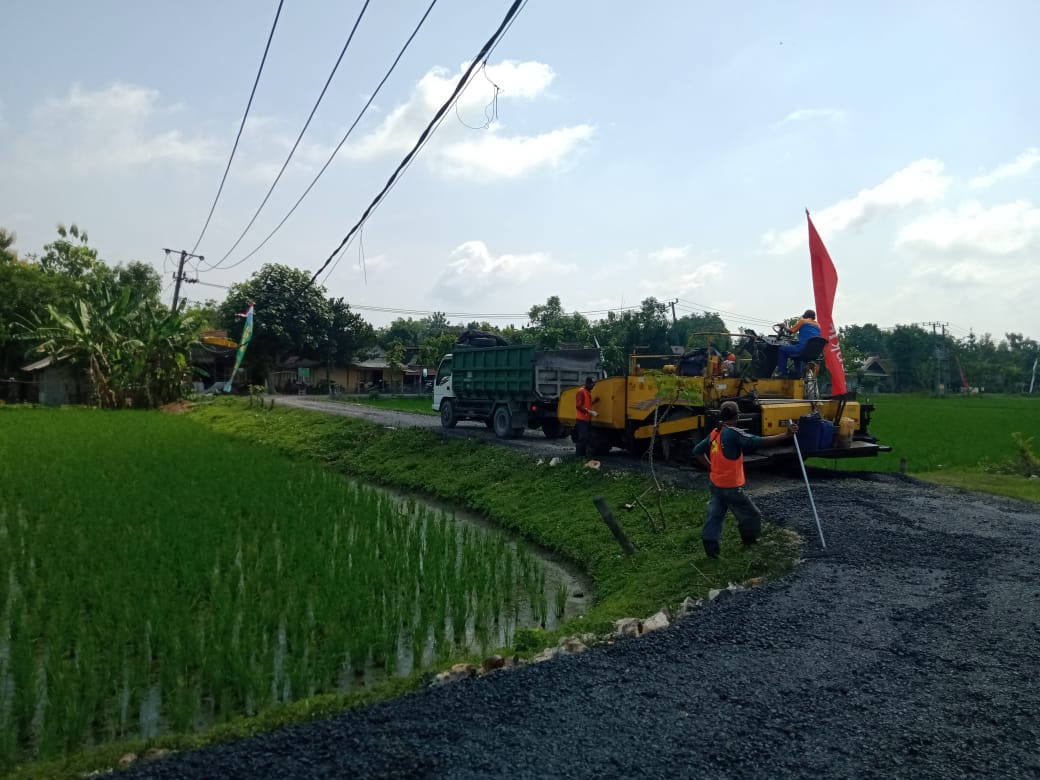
(444, 372)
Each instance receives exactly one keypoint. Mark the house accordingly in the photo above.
(877, 375)
(370, 374)
(55, 383)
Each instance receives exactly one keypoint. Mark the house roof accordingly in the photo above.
(876, 366)
(39, 364)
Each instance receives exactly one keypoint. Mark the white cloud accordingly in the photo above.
(684, 270)
(920, 182)
(1020, 166)
(473, 270)
(110, 128)
(809, 114)
(974, 229)
(511, 157)
(458, 150)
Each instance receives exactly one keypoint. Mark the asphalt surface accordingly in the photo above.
(907, 649)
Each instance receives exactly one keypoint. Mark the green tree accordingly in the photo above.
(70, 254)
(552, 326)
(293, 318)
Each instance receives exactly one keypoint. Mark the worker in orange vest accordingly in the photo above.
(583, 414)
(722, 452)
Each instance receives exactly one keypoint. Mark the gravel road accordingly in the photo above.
(907, 649)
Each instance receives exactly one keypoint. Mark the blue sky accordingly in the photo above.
(665, 150)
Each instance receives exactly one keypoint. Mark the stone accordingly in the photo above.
(556, 461)
(592, 464)
(689, 605)
(656, 622)
(493, 662)
(456, 673)
(572, 645)
(627, 627)
(546, 655)
(127, 759)
(154, 754)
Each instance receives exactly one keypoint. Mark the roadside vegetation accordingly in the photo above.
(398, 403)
(193, 570)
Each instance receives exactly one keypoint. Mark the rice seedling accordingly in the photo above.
(160, 577)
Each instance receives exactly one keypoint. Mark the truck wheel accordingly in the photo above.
(503, 423)
(554, 429)
(448, 418)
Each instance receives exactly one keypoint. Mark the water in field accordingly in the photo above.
(124, 623)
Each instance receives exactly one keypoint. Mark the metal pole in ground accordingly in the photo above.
(801, 462)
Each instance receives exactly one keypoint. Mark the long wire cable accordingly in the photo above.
(481, 55)
(419, 147)
(342, 141)
(241, 126)
(299, 138)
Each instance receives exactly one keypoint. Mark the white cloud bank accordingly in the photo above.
(920, 182)
(112, 128)
(458, 150)
(683, 268)
(1005, 229)
(473, 271)
(1020, 166)
(811, 114)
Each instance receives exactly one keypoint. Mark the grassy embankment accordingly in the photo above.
(551, 505)
(399, 403)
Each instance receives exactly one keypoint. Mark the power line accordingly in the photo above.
(342, 141)
(249, 104)
(299, 138)
(481, 56)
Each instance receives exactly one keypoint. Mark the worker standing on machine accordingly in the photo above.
(806, 328)
(722, 452)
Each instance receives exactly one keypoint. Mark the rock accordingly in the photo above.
(493, 662)
(716, 593)
(592, 464)
(572, 645)
(539, 462)
(689, 605)
(656, 622)
(754, 582)
(546, 655)
(627, 627)
(555, 461)
(154, 754)
(456, 673)
(127, 759)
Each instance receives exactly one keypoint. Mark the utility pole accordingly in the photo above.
(940, 354)
(179, 276)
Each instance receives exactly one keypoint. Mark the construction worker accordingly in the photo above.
(722, 452)
(583, 414)
(806, 328)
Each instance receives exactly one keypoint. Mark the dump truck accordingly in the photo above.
(673, 401)
(510, 388)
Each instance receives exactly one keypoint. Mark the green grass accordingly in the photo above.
(550, 505)
(417, 405)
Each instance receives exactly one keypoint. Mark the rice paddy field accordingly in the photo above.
(952, 432)
(157, 577)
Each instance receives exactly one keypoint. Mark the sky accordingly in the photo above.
(666, 149)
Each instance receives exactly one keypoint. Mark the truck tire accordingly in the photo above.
(503, 423)
(448, 419)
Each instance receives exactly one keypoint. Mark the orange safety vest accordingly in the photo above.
(725, 473)
(582, 404)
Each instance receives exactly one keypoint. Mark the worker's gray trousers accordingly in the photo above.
(749, 518)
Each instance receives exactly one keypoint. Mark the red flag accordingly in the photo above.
(825, 282)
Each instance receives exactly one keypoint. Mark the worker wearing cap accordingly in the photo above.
(806, 328)
(583, 414)
(722, 452)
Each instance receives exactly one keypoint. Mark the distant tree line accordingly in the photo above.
(109, 322)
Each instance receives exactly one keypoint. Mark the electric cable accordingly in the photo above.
(342, 141)
(241, 126)
(299, 138)
(485, 49)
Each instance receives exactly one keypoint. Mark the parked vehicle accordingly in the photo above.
(510, 388)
